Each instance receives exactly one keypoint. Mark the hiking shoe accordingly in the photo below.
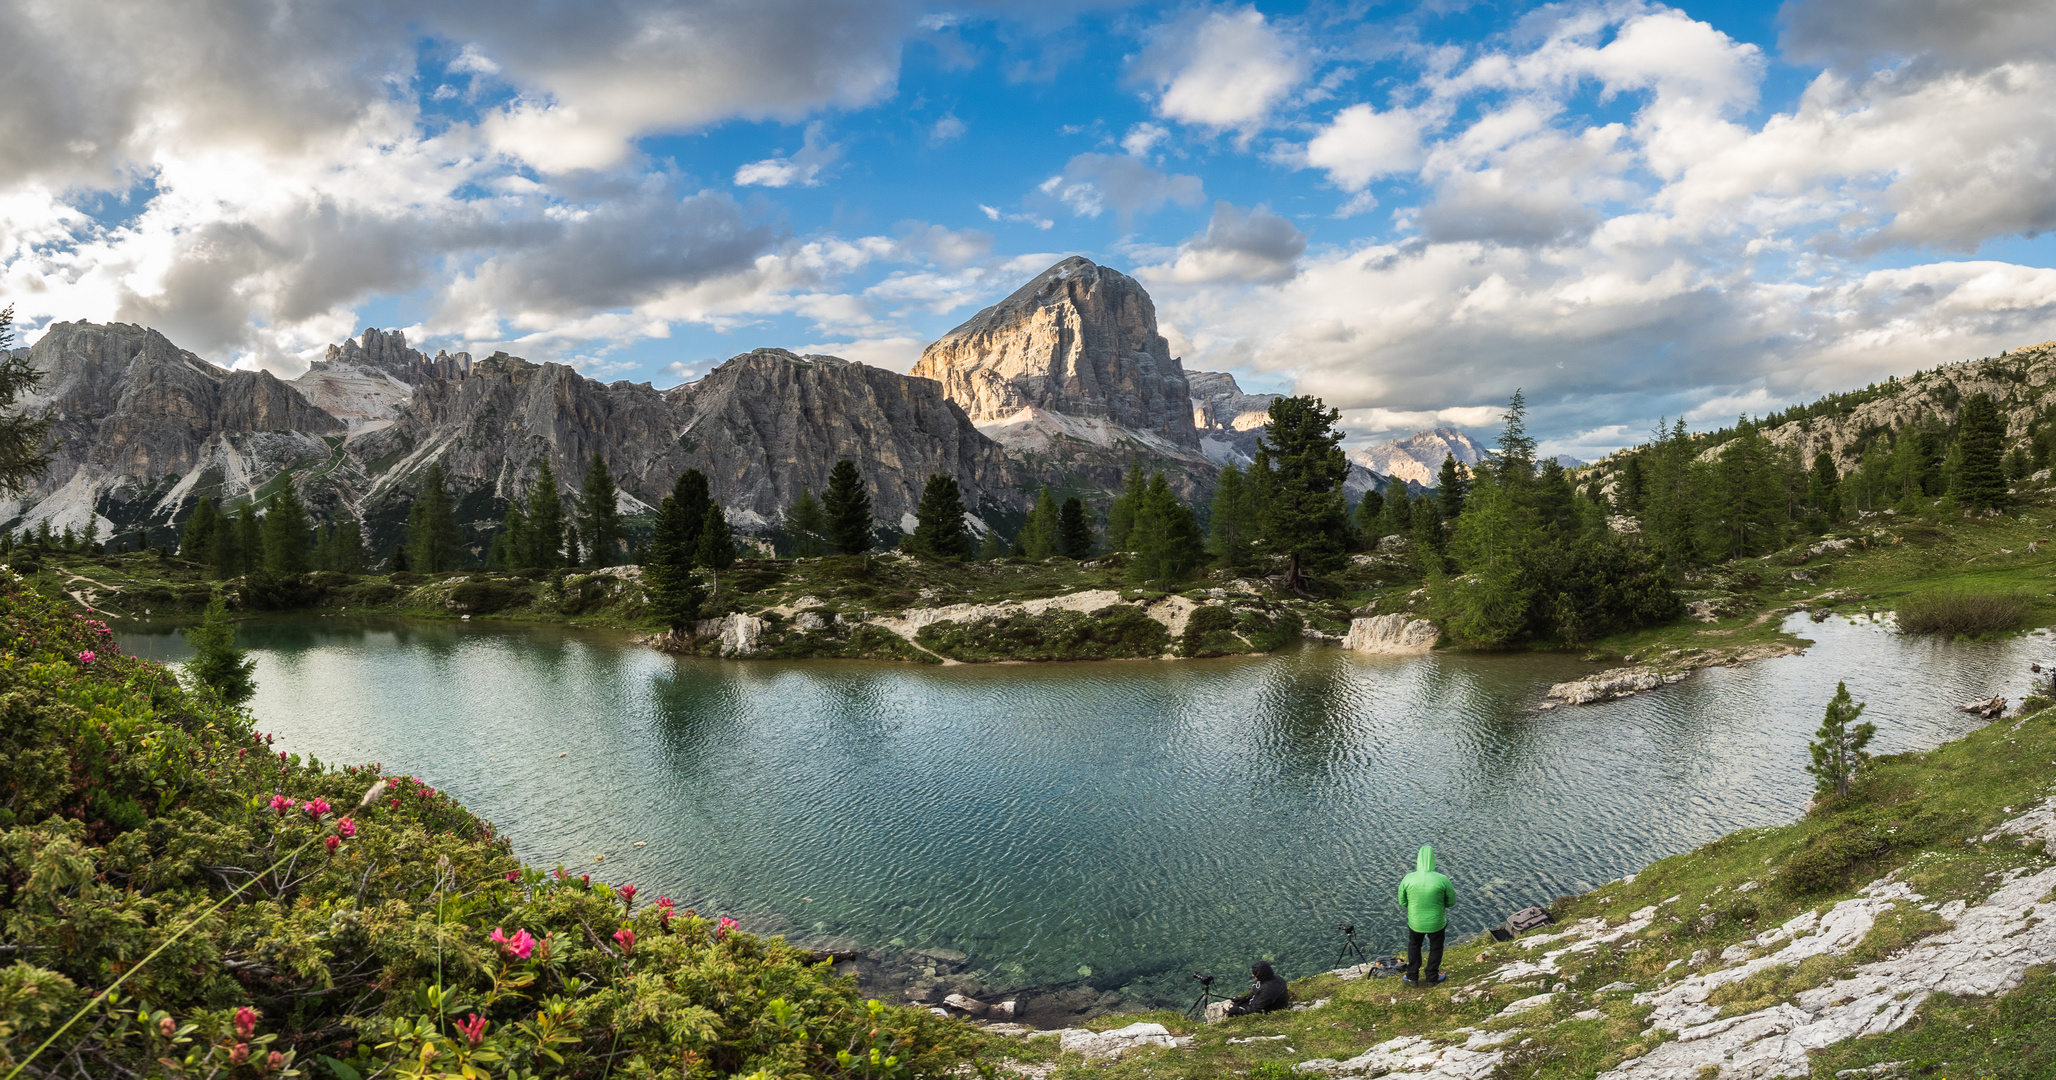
(1407, 979)
(1442, 978)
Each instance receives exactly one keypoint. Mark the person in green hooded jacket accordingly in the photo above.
(1427, 898)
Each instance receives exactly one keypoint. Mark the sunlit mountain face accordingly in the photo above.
(1629, 211)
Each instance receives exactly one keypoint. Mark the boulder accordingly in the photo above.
(1112, 1044)
(1395, 545)
(1391, 635)
(1618, 683)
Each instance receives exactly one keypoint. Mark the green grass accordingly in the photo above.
(1959, 613)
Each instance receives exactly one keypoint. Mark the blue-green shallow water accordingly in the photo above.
(1140, 820)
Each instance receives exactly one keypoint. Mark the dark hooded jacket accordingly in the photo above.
(1270, 995)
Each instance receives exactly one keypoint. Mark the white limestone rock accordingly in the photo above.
(1391, 635)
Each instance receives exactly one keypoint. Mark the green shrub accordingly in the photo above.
(1271, 633)
(1209, 631)
(1825, 862)
(1117, 631)
(361, 949)
(483, 597)
(370, 594)
(1952, 612)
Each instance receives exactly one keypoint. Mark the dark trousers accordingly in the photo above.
(1413, 954)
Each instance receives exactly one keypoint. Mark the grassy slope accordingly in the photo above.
(1929, 808)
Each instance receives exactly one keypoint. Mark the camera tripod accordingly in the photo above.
(1349, 946)
(1206, 997)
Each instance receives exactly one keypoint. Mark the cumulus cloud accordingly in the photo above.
(1223, 69)
(1091, 184)
(803, 168)
(1253, 245)
(1856, 34)
(1362, 144)
(946, 129)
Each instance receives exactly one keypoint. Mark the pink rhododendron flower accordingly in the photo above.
(722, 928)
(318, 807)
(513, 874)
(628, 893)
(626, 939)
(167, 1027)
(246, 1022)
(519, 946)
(330, 843)
(274, 1061)
(280, 804)
(346, 827)
(87, 657)
(239, 1055)
(473, 1029)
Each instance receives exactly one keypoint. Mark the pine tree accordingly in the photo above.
(1494, 543)
(397, 563)
(1515, 461)
(1554, 501)
(1165, 538)
(1307, 516)
(599, 516)
(674, 594)
(992, 547)
(1451, 487)
(24, 434)
(285, 531)
(848, 506)
(939, 521)
(198, 541)
(806, 526)
(1041, 531)
(89, 541)
(225, 552)
(1428, 539)
(1122, 510)
(509, 550)
(715, 548)
(1838, 748)
(1235, 525)
(324, 547)
(217, 664)
(434, 544)
(695, 498)
(1980, 443)
(1074, 533)
(545, 547)
(351, 557)
(1627, 494)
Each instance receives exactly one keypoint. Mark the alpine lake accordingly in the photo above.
(1090, 833)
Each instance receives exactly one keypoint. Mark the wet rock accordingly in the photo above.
(1618, 683)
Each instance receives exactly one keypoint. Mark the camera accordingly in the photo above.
(1347, 928)
(1204, 980)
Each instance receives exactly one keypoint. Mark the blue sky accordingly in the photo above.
(1631, 210)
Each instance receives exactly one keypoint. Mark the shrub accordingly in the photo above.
(1209, 631)
(1117, 631)
(370, 593)
(1825, 863)
(1273, 633)
(1952, 612)
(267, 591)
(485, 597)
(408, 936)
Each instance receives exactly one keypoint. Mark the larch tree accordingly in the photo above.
(1838, 747)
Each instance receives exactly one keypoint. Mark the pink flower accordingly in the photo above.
(513, 875)
(473, 1029)
(626, 939)
(722, 928)
(280, 804)
(87, 657)
(239, 1055)
(330, 843)
(274, 1061)
(167, 1027)
(246, 1022)
(628, 894)
(281, 757)
(347, 827)
(317, 807)
(519, 946)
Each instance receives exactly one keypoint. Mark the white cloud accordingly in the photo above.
(1092, 183)
(803, 168)
(1221, 69)
(1238, 246)
(947, 128)
(891, 353)
(994, 213)
(1362, 144)
(1144, 137)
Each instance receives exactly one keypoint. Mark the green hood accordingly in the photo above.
(1425, 862)
(1426, 895)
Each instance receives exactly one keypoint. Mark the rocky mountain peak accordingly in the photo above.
(1079, 340)
(387, 351)
(1418, 457)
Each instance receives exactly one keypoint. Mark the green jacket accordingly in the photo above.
(1426, 895)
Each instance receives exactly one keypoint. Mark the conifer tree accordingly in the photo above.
(1838, 748)
(24, 435)
(1122, 510)
(1396, 516)
(806, 526)
(324, 547)
(1428, 538)
(674, 594)
(1554, 501)
(1074, 533)
(1040, 536)
(1450, 488)
(992, 547)
(285, 531)
(397, 563)
(1370, 519)
(351, 557)
(848, 506)
(225, 550)
(217, 664)
(509, 550)
(1165, 538)
(544, 549)
(1627, 494)
(1493, 545)
(433, 541)
(1307, 516)
(89, 541)
(714, 547)
(1234, 526)
(939, 521)
(1515, 460)
(198, 541)
(599, 515)
(695, 498)
(1980, 443)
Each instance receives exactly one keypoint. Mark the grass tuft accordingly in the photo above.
(1958, 612)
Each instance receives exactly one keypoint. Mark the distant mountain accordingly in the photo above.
(1570, 462)
(1417, 458)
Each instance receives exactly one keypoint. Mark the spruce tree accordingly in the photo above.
(198, 541)
(1370, 519)
(434, 544)
(545, 547)
(1234, 525)
(674, 594)
(1165, 538)
(695, 498)
(1515, 461)
(599, 516)
(24, 435)
(1980, 442)
(806, 526)
(939, 531)
(351, 557)
(1122, 510)
(1450, 487)
(324, 547)
(510, 545)
(993, 547)
(1073, 531)
(1040, 534)
(848, 506)
(715, 547)
(285, 531)
(1307, 517)
(225, 551)
(1838, 748)
(217, 664)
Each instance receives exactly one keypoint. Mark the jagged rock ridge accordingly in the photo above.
(1417, 458)
(364, 382)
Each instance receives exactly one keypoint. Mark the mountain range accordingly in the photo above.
(1066, 382)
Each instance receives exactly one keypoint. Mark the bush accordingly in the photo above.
(1953, 612)
(1274, 633)
(370, 594)
(1114, 632)
(485, 597)
(1825, 863)
(267, 591)
(1209, 631)
(405, 579)
(126, 802)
